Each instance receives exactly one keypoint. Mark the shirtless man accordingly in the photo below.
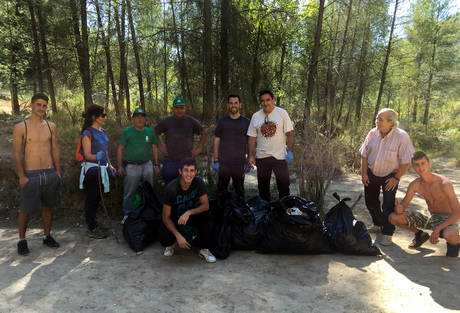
(442, 203)
(39, 172)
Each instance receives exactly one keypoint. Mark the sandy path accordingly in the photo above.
(106, 276)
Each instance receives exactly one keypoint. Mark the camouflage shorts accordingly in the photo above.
(419, 220)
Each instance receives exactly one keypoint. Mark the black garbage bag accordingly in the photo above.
(141, 227)
(345, 233)
(221, 210)
(294, 226)
(249, 223)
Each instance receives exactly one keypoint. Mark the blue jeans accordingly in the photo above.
(135, 173)
(170, 170)
(379, 213)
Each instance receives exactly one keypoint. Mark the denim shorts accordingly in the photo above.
(42, 190)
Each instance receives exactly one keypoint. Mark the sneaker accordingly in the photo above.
(97, 233)
(374, 229)
(452, 250)
(386, 240)
(103, 228)
(420, 238)
(207, 255)
(169, 251)
(50, 242)
(22, 247)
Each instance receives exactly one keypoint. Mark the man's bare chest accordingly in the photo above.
(37, 136)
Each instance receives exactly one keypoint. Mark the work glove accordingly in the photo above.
(247, 168)
(216, 166)
(100, 155)
(289, 157)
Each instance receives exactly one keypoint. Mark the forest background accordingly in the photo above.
(331, 64)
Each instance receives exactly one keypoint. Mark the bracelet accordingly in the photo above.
(396, 178)
(156, 164)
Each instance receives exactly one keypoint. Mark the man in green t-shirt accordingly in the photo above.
(137, 145)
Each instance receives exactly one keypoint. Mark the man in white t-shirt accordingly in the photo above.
(267, 133)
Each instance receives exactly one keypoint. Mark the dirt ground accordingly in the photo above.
(86, 275)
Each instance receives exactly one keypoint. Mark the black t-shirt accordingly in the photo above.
(183, 200)
(233, 139)
(179, 135)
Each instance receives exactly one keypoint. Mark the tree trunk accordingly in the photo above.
(224, 62)
(281, 72)
(255, 68)
(330, 85)
(314, 63)
(49, 78)
(136, 54)
(37, 55)
(108, 57)
(180, 62)
(341, 53)
(123, 84)
(82, 48)
(385, 64)
(431, 72)
(362, 72)
(14, 78)
(125, 60)
(165, 61)
(207, 51)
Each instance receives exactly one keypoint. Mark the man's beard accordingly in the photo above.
(234, 110)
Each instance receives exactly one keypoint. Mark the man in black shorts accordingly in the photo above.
(179, 130)
(39, 173)
(231, 147)
(185, 213)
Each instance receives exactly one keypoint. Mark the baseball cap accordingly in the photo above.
(138, 111)
(178, 101)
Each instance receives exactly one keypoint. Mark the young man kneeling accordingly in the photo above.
(442, 203)
(185, 213)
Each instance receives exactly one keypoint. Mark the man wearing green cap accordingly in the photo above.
(138, 144)
(179, 130)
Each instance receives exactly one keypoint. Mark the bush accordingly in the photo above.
(319, 162)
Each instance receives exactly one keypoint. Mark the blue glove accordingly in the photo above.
(289, 157)
(100, 155)
(216, 166)
(247, 168)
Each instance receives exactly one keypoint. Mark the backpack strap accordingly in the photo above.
(49, 128)
(25, 138)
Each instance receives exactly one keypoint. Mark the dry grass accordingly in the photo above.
(319, 163)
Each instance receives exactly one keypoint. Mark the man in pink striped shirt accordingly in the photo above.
(385, 157)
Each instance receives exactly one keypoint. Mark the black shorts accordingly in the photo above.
(42, 190)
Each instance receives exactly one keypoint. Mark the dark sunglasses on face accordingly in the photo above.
(103, 115)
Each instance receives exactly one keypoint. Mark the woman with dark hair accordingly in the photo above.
(94, 176)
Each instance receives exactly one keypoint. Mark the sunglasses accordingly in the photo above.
(103, 115)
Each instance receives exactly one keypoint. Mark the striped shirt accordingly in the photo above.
(384, 155)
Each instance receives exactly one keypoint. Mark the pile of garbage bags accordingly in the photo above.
(290, 225)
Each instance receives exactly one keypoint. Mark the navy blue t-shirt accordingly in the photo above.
(233, 139)
(181, 200)
(98, 143)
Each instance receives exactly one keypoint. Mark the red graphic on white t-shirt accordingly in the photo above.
(268, 129)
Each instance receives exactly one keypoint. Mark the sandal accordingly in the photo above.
(419, 239)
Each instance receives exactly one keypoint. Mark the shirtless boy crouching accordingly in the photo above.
(39, 171)
(442, 203)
